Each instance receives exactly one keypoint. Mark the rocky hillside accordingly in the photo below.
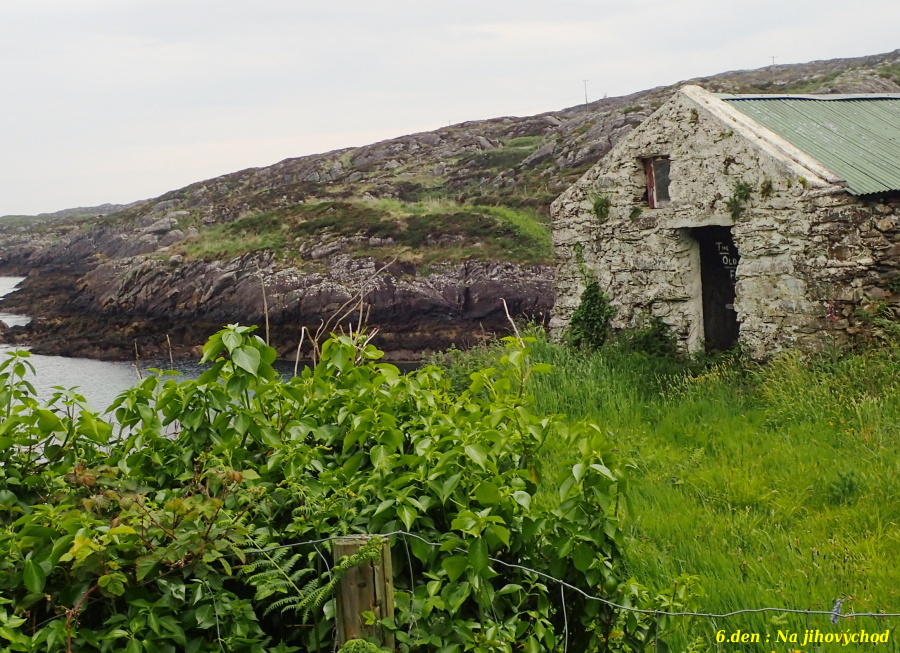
(22, 223)
(430, 229)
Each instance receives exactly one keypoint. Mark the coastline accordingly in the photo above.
(63, 324)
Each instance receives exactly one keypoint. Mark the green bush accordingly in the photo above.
(600, 205)
(656, 339)
(589, 326)
(180, 522)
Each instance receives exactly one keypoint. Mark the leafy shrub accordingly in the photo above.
(131, 533)
(656, 339)
(589, 326)
(359, 646)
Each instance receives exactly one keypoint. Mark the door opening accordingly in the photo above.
(718, 266)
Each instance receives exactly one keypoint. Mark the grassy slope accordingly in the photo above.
(777, 486)
(423, 232)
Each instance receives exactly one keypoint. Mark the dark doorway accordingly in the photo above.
(718, 265)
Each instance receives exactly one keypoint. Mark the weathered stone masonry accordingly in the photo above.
(810, 253)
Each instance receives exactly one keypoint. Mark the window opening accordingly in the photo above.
(657, 172)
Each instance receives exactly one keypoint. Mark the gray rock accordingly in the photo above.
(326, 250)
(174, 236)
(161, 226)
(165, 205)
(543, 153)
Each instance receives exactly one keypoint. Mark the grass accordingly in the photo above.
(513, 152)
(776, 485)
(891, 72)
(812, 84)
(499, 159)
(219, 243)
(426, 232)
(529, 143)
(10, 223)
(582, 129)
(530, 225)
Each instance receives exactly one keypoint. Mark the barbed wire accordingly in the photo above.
(833, 613)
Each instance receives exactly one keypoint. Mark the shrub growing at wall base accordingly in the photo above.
(132, 534)
(589, 326)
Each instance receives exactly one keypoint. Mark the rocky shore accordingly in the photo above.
(118, 307)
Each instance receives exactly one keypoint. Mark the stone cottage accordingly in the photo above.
(767, 220)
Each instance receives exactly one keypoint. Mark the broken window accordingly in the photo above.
(657, 173)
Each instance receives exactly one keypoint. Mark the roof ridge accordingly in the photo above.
(806, 96)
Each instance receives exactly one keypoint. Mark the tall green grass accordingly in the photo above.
(526, 223)
(777, 485)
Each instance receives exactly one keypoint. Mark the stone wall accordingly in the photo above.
(811, 253)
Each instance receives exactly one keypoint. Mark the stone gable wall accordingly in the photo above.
(811, 254)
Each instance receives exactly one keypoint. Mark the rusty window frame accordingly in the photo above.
(650, 173)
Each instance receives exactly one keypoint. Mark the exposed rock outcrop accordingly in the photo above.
(103, 311)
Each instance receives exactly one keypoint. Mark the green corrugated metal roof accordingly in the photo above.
(855, 136)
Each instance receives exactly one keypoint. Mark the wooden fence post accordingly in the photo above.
(368, 587)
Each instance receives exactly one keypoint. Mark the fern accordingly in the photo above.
(276, 573)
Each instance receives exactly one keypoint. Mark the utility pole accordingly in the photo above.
(585, 90)
(773, 61)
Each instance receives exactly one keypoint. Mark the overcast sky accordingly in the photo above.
(119, 100)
